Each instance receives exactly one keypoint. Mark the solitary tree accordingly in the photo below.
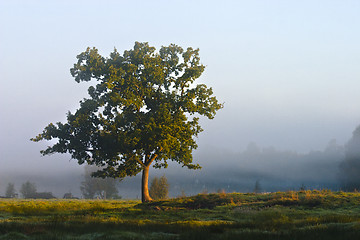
(257, 188)
(141, 111)
(159, 188)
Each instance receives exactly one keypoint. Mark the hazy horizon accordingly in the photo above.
(221, 169)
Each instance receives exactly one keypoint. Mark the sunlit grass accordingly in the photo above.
(39, 207)
(231, 216)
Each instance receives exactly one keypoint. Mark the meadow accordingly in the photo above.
(281, 215)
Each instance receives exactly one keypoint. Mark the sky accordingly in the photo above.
(287, 71)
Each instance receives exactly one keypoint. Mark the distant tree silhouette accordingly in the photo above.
(93, 187)
(43, 195)
(69, 195)
(28, 190)
(10, 191)
(257, 188)
(350, 167)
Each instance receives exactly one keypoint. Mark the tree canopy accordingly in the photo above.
(144, 108)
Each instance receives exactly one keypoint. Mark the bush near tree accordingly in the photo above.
(159, 188)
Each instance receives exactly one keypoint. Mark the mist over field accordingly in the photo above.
(222, 170)
(287, 73)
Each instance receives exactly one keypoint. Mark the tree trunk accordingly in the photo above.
(145, 196)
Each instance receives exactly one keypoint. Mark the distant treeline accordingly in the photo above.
(336, 167)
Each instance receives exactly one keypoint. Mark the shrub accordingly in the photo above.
(159, 188)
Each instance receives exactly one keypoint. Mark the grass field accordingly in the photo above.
(281, 215)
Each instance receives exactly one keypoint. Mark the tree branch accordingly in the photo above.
(153, 157)
(140, 162)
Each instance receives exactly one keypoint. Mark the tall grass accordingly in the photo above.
(280, 215)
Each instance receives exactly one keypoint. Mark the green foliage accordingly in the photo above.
(139, 109)
(159, 188)
(144, 108)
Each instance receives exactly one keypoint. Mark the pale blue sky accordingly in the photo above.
(288, 71)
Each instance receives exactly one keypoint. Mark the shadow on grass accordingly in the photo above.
(171, 231)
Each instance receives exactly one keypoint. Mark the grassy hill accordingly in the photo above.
(280, 215)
